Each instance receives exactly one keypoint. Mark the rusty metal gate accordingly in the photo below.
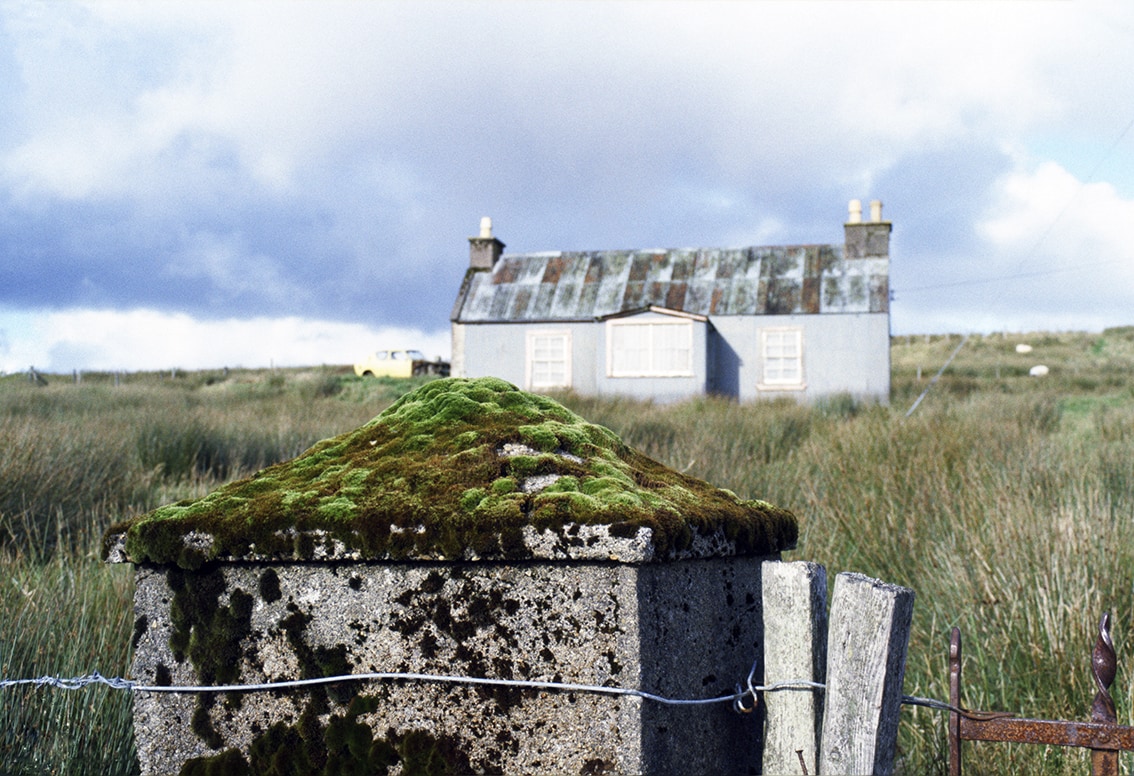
(1102, 735)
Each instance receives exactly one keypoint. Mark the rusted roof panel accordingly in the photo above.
(783, 296)
(575, 269)
(640, 266)
(594, 270)
(585, 285)
(731, 263)
(507, 270)
(553, 270)
(521, 301)
(675, 296)
(634, 297)
(809, 299)
(681, 263)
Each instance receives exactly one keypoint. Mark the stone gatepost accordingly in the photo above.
(472, 529)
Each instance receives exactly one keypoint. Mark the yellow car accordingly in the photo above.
(400, 363)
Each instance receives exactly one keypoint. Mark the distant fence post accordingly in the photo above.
(795, 647)
(867, 642)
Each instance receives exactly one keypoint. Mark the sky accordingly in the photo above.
(201, 184)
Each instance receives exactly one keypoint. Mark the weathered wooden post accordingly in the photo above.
(472, 529)
(795, 648)
(866, 660)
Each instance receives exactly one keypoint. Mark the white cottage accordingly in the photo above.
(802, 321)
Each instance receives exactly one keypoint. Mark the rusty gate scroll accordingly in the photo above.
(1102, 735)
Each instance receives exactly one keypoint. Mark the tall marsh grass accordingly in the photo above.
(1006, 502)
(75, 458)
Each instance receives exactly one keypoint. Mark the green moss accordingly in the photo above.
(343, 746)
(564, 484)
(202, 725)
(471, 498)
(541, 437)
(425, 479)
(141, 625)
(504, 485)
(209, 635)
(317, 662)
(269, 586)
(339, 509)
(228, 763)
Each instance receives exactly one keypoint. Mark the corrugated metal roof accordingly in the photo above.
(585, 285)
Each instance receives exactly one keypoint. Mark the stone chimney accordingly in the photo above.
(484, 249)
(867, 240)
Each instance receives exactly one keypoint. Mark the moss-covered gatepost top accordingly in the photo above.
(460, 470)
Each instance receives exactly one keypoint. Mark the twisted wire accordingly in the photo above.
(744, 699)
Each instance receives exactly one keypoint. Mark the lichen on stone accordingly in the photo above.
(459, 469)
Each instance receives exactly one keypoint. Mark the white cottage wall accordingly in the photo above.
(847, 353)
(500, 350)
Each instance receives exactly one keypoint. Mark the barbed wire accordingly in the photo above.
(118, 683)
(71, 683)
(737, 698)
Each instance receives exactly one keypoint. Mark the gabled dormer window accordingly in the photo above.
(649, 348)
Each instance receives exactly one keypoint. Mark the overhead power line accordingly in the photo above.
(937, 376)
(1002, 278)
(1043, 236)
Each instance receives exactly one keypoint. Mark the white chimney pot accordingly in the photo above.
(876, 211)
(855, 208)
(486, 227)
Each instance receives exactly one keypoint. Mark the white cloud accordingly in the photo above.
(1058, 255)
(372, 129)
(751, 84)
(63, 341)
(1047, 218)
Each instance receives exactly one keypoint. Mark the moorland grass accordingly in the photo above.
(74, 458)
(1005, 501)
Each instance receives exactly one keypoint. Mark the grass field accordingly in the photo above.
(1005, 501)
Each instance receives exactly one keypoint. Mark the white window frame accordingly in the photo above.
(532, 373)
(613, 367)
(772, 356)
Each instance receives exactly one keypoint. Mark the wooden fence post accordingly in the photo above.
(795, 647)
(866, 660)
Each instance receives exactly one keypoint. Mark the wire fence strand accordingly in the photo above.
(737, 698)
(79, 682)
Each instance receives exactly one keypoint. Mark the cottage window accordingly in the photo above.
(653, 349)
(782, 356)
(549, 359)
